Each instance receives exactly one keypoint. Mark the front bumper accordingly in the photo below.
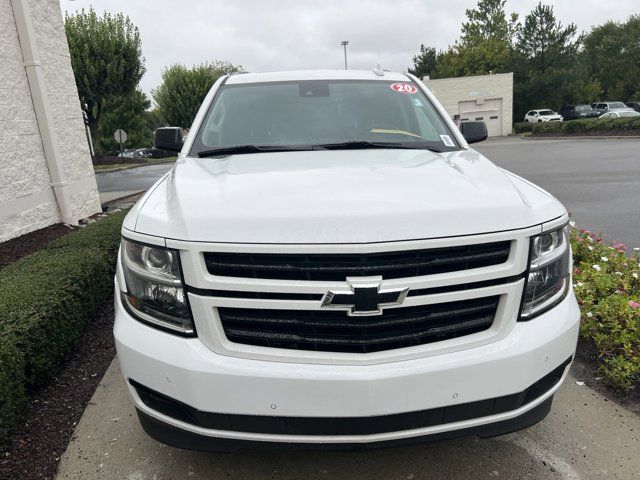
(464, 391)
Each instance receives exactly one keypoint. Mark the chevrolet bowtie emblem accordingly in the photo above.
(365, 296)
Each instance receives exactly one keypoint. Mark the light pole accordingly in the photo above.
(344, 44)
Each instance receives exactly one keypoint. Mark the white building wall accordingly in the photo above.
(460, 93)
(27, 201)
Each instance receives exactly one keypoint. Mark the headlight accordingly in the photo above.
(155, 293)
(549, 267)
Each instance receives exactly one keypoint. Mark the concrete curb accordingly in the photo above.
(110, 197)
(585, 137)
(130, 167)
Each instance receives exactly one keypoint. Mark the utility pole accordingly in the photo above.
(344, 44)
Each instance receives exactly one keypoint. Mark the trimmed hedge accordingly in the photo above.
(522, 127)
(46, 299)
(597, 126)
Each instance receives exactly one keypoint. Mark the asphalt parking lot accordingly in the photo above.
(597, 180)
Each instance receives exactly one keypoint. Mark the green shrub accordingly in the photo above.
(607, 284)
(590, 126)
(46, 299)
(547, 127)
(522, 127)
(12, 389)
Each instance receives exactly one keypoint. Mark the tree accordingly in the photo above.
(182, 90)
(107, 61)
(127, 112)
(545, 64)
(486, 40)
(612, 53)
(425, 63)
(544, 42)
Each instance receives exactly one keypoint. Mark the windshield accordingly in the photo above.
(315, 113)
(583, 108)
(546, 112)
(629, 114)
(617, 105)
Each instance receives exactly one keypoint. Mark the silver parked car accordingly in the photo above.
(604, 107)
(620, 113)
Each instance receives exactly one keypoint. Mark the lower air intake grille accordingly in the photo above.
(335, 331)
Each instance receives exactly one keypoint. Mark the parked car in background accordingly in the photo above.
(604, 107)
(543, 115)
(128, 154)
(634, 105)
(136, 153)
(573, 112)
(620, 113)
(144, 152)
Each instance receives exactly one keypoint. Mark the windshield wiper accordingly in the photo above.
(239, 149)
(363, 144)
(350, 145)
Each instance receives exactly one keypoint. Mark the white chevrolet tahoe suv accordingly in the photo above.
(328, 264)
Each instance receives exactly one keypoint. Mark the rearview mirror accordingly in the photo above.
(474, 132)
(168, 138)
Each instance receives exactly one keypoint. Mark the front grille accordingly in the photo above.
(336, 267)
(335, 331)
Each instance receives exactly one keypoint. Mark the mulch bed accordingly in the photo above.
(36, 445)
(31, 242)
(585, 368)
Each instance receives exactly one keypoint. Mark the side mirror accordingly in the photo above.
(168, 138)
(474, 132)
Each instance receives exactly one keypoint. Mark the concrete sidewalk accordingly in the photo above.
(584, 437)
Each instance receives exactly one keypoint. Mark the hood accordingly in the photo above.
(346, 196)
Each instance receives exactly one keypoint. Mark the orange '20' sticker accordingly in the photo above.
(404, 88)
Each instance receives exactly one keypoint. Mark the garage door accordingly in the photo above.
(490, 113)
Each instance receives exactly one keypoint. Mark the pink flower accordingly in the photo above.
(633, 304)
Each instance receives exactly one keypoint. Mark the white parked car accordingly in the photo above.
(330, 263)
(544, 115)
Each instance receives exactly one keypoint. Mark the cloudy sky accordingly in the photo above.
(267, 35)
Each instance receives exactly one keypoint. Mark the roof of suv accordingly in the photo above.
(314, 75)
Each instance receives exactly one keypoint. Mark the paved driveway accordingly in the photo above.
(585, 437)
